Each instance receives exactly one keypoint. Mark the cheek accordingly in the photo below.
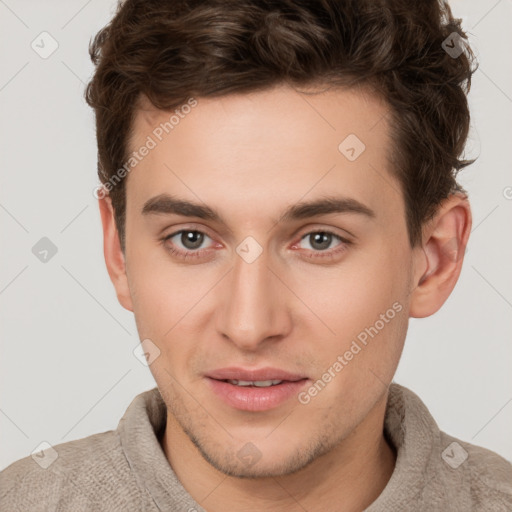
(362, 306)
(351, 296)
(160, 309)
(170, 307)
(160, 292)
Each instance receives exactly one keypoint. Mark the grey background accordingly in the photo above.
(67, 368)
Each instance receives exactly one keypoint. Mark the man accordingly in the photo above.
(278, 199)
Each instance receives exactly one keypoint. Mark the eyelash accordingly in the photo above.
(329, 254)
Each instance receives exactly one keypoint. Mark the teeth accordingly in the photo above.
(257, 383)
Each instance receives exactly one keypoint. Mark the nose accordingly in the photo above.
(253, 310)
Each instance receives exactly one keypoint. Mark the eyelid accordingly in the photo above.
(305, 230)
(190, 227)
(324, 229)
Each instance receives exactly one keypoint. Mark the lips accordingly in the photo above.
(262, 374)
(255, 390)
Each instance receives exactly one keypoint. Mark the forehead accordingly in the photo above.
(256, 117)
(274, 145)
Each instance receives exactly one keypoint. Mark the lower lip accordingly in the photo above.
(249, 398)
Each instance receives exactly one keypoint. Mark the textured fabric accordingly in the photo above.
(127, 470)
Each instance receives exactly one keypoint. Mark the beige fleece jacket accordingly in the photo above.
(126, 469)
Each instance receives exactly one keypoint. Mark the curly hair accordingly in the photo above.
(170, 51)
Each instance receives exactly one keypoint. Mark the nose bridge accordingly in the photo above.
(252, 311)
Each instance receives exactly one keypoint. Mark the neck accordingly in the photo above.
(348, 478)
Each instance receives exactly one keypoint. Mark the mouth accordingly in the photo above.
(254, 383)
(255, 390)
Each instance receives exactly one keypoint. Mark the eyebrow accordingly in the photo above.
(168, 205)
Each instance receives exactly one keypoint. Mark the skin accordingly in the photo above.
(250, 157)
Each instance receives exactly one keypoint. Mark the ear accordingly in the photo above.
(441, 255)
(114, 257)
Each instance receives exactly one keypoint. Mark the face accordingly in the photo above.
(268, 263)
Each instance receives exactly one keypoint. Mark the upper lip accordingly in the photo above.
(233, 373)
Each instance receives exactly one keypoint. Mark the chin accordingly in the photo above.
(249, 461)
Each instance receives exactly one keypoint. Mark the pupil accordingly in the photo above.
(192, 239)
(321, 241)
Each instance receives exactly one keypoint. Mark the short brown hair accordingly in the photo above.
(170, 50)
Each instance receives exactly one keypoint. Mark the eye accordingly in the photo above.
(319, 240)
(322, 244)
(190, 240)
(187, 243)
(192, 243)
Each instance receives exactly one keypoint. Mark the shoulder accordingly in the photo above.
(486, 475)
(77, 475)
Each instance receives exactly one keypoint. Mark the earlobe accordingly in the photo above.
(114, 257)
(442, 253)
